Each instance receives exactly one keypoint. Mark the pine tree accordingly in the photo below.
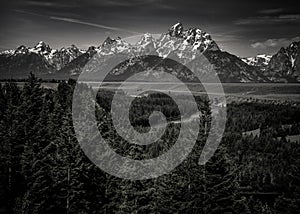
(31, 107)
(220, 186)
(37, 158)
(11, 146)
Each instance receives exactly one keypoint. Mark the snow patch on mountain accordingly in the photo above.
(177, 43)
(198, 39)
(258, 60)
(146, 44)
(7, 52)
(113, 46)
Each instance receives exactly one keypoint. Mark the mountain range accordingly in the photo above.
(182, 44)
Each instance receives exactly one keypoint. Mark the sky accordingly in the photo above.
(243, 28)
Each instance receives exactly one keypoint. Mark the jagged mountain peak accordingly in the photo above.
(108, 41)
(286, 62)
(293, 47)
(41, 44)
(22, 49)
(199, 39)
(41, 48)
(147, 43)
(7, 52)
(178, 43)
(176, 30)
(111, 46)
(146, 37)
(91, 49)
(295, 44)
(111, 42)
(72, 48)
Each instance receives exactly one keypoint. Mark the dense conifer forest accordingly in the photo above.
(44, 170)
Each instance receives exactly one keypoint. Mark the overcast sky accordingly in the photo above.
(239, 27)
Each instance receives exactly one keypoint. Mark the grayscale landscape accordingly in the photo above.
(153, 106)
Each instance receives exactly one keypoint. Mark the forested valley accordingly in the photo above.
(44, 170)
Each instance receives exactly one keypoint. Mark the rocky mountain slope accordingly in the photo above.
(40, 59)
(285, 64)
(182, 45)
(260, 61)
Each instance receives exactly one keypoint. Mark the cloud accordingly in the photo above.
(287, 18)
(76, 21)
(127, 3)
(51, 4)
(28, 13)
(223, 37)
(271, 43)
(290, 17)
(134, 3)
(40, 3)
(271, 11)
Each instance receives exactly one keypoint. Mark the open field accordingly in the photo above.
(260, 91)
(233, 91)
(293, 138)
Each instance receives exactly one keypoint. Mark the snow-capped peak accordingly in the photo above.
(21, 50)
(41, 44)
(176, 30)
(111, 46)
(7, 52)
(294, 45)
(146, 44)
(199, 39)
(186, 44)
(41, 48)
(71, 50)
(292, 53)
(108, 41)
(146, 38)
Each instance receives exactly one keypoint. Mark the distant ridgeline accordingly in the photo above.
(181, 44)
